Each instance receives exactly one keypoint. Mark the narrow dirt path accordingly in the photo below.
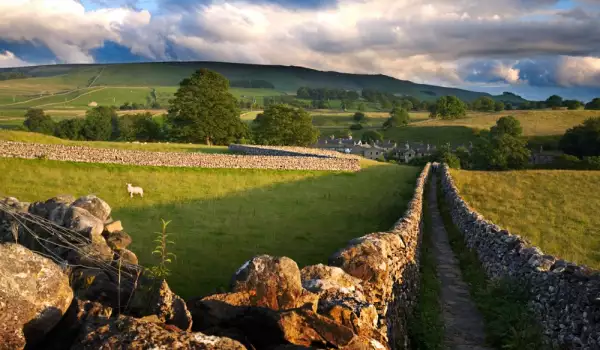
(463, 322)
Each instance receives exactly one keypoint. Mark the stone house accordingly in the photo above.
(411, 151)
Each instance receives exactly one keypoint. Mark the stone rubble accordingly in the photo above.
(261, 158)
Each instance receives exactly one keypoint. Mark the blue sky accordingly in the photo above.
(531, 47)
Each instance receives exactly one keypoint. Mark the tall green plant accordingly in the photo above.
(161, 271)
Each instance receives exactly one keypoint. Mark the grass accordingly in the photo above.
(223, 217)
(557, 210)
(426, 329)
(534, 123)
(503, 303)
(22, 136)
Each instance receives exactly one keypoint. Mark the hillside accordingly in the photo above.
(284, 78)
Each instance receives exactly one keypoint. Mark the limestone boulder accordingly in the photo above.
(84, 223)
(34, 295)
(273, 282)
(94, 206)
(171, 309)
(128, 256)
(136, 334)
(117, 240)
(307, 328)
(113, 226)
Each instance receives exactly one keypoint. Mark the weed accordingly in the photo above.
(161, 271)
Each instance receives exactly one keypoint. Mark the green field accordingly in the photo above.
(556, 210)
(20, 136)
(220, 217)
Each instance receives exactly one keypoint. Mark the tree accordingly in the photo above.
(371, 136)
(484, 104)
(406, 104)
(499, 106)
(98, 125)
(448, 107)
(203, 110)
(507, 125)
(284, 125)
(71, 129)
(356, 127)
(582, 140)
(500, 152)
(361, 107)
(398, 117)
(572, 104)
(303, 93)
(554, 101)
(359, 117)
(445, 155)
(508, 106)
(37, 121)
(593, 104)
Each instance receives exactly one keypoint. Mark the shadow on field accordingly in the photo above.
(306, 220)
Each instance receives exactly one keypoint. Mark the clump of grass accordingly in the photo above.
(426, 329)
(503, 303)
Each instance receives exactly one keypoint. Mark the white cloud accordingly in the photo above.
(579, 71)
(8, 59)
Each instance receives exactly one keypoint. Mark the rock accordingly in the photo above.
(34, 295)
(117, 240)
(94, 206)
(113, 226)
(322, 278)
(95, 254)
(130, 333)
(171, 309)
(58, 213)
(65, 332)
(128, 256)
(274, 283)
(84, 223)
(61, 200)
(304, 327)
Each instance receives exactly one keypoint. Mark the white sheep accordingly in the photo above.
(135, 190)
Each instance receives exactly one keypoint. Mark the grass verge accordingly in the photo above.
(503, 303)
(426, 330)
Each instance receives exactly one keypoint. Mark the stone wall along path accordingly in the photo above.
(463, 322)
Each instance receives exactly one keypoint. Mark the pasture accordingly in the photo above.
(557, 210)
(223, 217)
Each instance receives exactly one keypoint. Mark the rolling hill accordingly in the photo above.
(287, 79)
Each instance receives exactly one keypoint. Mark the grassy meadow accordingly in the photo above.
(556, 210)
(223, 217)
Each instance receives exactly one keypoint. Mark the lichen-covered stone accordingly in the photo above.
(94, 206)
(137, 334)
(274, 283)
(34, 295)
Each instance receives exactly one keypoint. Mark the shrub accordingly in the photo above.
(37, 121)
(356, 127)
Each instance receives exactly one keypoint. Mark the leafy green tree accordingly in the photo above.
(303, 93)
(406, 104)
(284, 125)
(359, 117)
(508, 106)
(98, 125)
(37, 121)
(464, 157)
(385, 103)
(499, 106)
(398, 117)
(554, 101)
(484, 104)
(572, 104)
(445, 155)
(371, 136)
(361, 107)
(71, 129)
(582, 140)
(356, 126)
(448, 107)
(593, 104)
(204, 110)
(507, 125)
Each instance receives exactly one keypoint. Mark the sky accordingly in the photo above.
(534, 48)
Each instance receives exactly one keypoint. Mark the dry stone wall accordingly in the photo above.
(268, 159)
(564, 297)
(361, 300)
